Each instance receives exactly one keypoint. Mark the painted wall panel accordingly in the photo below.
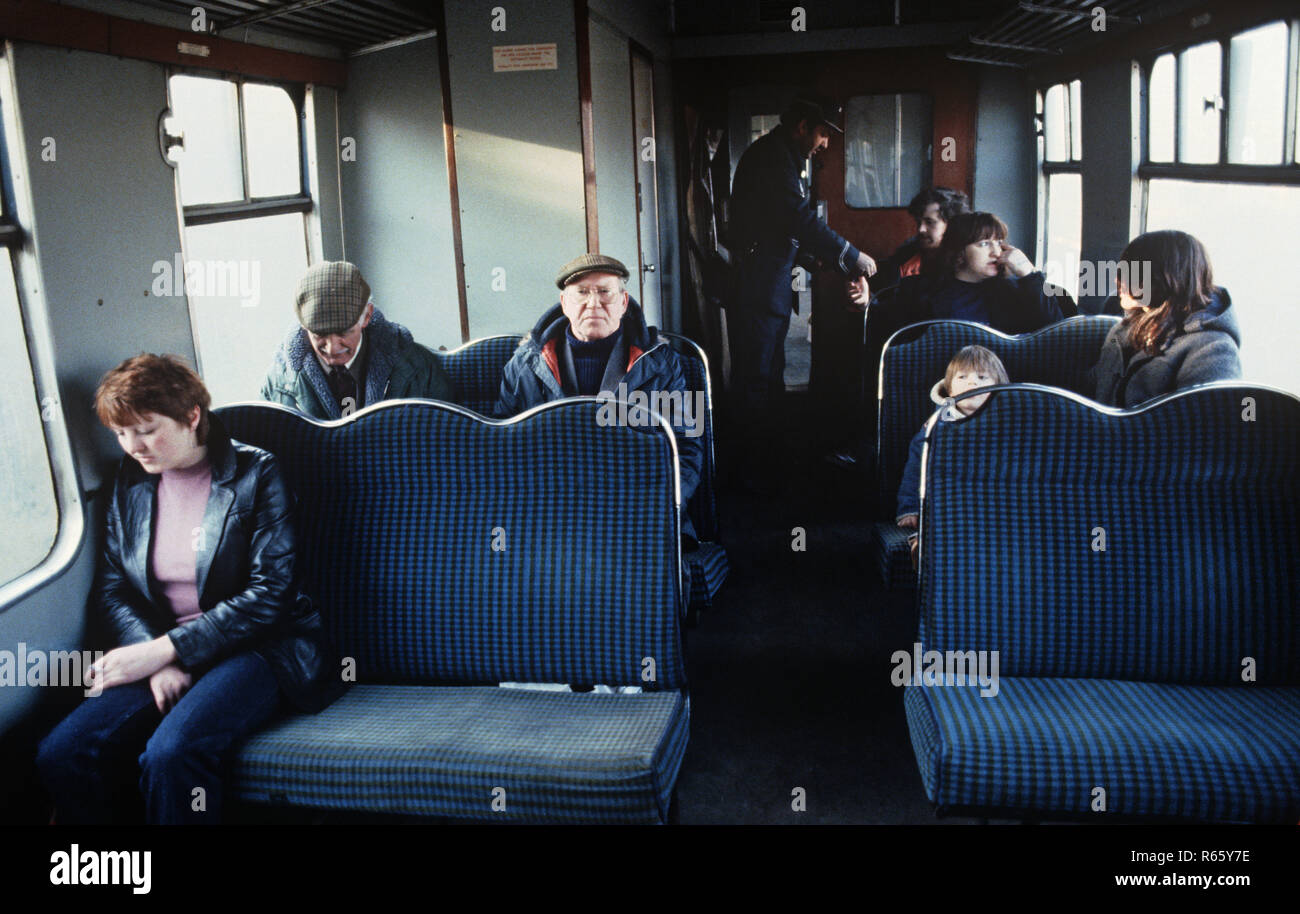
(518, 158)
(396, 203)
(1005, 156)
(611, 102)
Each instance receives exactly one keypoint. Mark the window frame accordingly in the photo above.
(1047, 168)
(1222, 171)
(70, 519)
(250, 207)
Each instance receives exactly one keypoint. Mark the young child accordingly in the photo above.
(971, 368)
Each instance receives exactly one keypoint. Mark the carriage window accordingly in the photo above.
(246, 242)
(27, 501)
(1199, 103)
(1230, 180)
(1160, 108)
(272, 139)
(1241, 123)
(1061, 188)
(207, 114)
(1242, 227)
(886, 149)
(1257, 95)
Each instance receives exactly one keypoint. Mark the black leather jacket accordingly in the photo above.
(246, 575)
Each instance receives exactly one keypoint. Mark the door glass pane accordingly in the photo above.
(886, 148)
(1251, 231)
(207, 110)
(1199, 104)
(1064, 231)
(1160, 106)
(1076, 122)
(27, 506)
(1257, 95)
(1055, 124)
(240, 280)
(271, 126)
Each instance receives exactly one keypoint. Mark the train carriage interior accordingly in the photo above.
(734, 626)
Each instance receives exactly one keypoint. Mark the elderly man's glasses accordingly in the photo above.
(582, 294)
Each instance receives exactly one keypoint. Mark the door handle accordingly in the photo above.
(648, 268)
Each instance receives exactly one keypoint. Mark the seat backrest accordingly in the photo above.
(703, 506)
(1160, 543)
(475, 369)
(443, 547)
(918, 355)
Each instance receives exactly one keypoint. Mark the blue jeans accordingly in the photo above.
(118, 736)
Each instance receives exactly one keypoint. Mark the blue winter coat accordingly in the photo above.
(773, 220)
(397, 367)
(533, 377)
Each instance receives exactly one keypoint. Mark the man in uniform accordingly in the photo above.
(774, 223)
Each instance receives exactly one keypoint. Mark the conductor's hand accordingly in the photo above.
(866, 265)
(1014, 261)
(859, 292)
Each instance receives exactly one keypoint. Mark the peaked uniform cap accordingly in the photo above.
(589, 263)
(331, 297)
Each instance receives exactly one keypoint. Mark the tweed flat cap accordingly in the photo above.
(589, 263)
(331, 297)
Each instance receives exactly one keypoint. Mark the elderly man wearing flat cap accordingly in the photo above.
(346, 355)
(594, 340)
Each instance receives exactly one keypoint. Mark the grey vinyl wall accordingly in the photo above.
(1006, 156)
(646, 22)
(518, 160)
(611, 104)
(395, 195)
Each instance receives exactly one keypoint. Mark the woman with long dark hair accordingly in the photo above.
(199, 594)
(1179, 328)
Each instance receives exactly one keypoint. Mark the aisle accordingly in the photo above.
(790, 670)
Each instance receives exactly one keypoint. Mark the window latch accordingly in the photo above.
(169, 142)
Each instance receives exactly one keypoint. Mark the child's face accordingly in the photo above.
(970, 379)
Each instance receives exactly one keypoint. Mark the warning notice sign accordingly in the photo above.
(508, 57)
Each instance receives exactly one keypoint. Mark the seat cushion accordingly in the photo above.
(892, 556)
(1204, 753)
(708, 569)
(444, 751)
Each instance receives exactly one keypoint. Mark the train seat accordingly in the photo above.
(446, 554)
(475, 369)
(917, 356)
(1128, 582)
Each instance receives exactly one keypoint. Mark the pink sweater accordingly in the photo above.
(178, 515)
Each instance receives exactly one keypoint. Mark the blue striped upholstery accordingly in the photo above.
(1043, 745)
(1200, 510)
(445, 550)
(892, 556)
(556, 756)
(708, 564)
(918, 355)
(398, 509)
(708, 569)
(703, 506)
(475, 369)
